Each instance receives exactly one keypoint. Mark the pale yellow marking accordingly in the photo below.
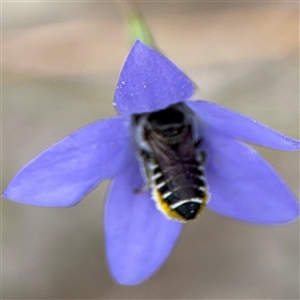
(156, 176)
(153, 167)
(192, 200)
(160, 185)
(166, 194)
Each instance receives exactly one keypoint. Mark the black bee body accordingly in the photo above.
(173, 164)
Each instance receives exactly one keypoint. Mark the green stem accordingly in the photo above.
(137, 27)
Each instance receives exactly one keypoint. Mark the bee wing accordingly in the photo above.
(162, 151)
(165, 152)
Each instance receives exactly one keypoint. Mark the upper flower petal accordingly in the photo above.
(149, 81)
(243, 185)
(139, 238)
(64, 173)
(236, 125)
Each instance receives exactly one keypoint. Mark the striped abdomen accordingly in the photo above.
(180, 190)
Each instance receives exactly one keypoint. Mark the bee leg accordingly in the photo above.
(202, 154)
(145, 155)
(144, 189)
(198, 143)
(203, 157)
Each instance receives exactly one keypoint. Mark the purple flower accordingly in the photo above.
(139, 237)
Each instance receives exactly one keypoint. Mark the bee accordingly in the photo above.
(168, 146)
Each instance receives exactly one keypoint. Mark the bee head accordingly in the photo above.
(167, 122)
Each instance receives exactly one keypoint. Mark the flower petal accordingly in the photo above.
(149, 81)
(139, 238)
(244, 186)
(64, 173)
(233, 124)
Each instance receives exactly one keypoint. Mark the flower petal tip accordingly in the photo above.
(138, 237)
(67, 171)
(240, 127)
(149, 81)
(244, 186)
(129, 278)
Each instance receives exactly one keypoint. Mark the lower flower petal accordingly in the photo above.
(241, 127)
(64, 173)
(138, 237)
(244, 186)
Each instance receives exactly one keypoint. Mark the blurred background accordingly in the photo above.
(60, 65)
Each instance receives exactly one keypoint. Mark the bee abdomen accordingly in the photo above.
(189, 208)
(187, 201)
(182, 197)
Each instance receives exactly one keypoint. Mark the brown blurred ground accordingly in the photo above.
(60, 66)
